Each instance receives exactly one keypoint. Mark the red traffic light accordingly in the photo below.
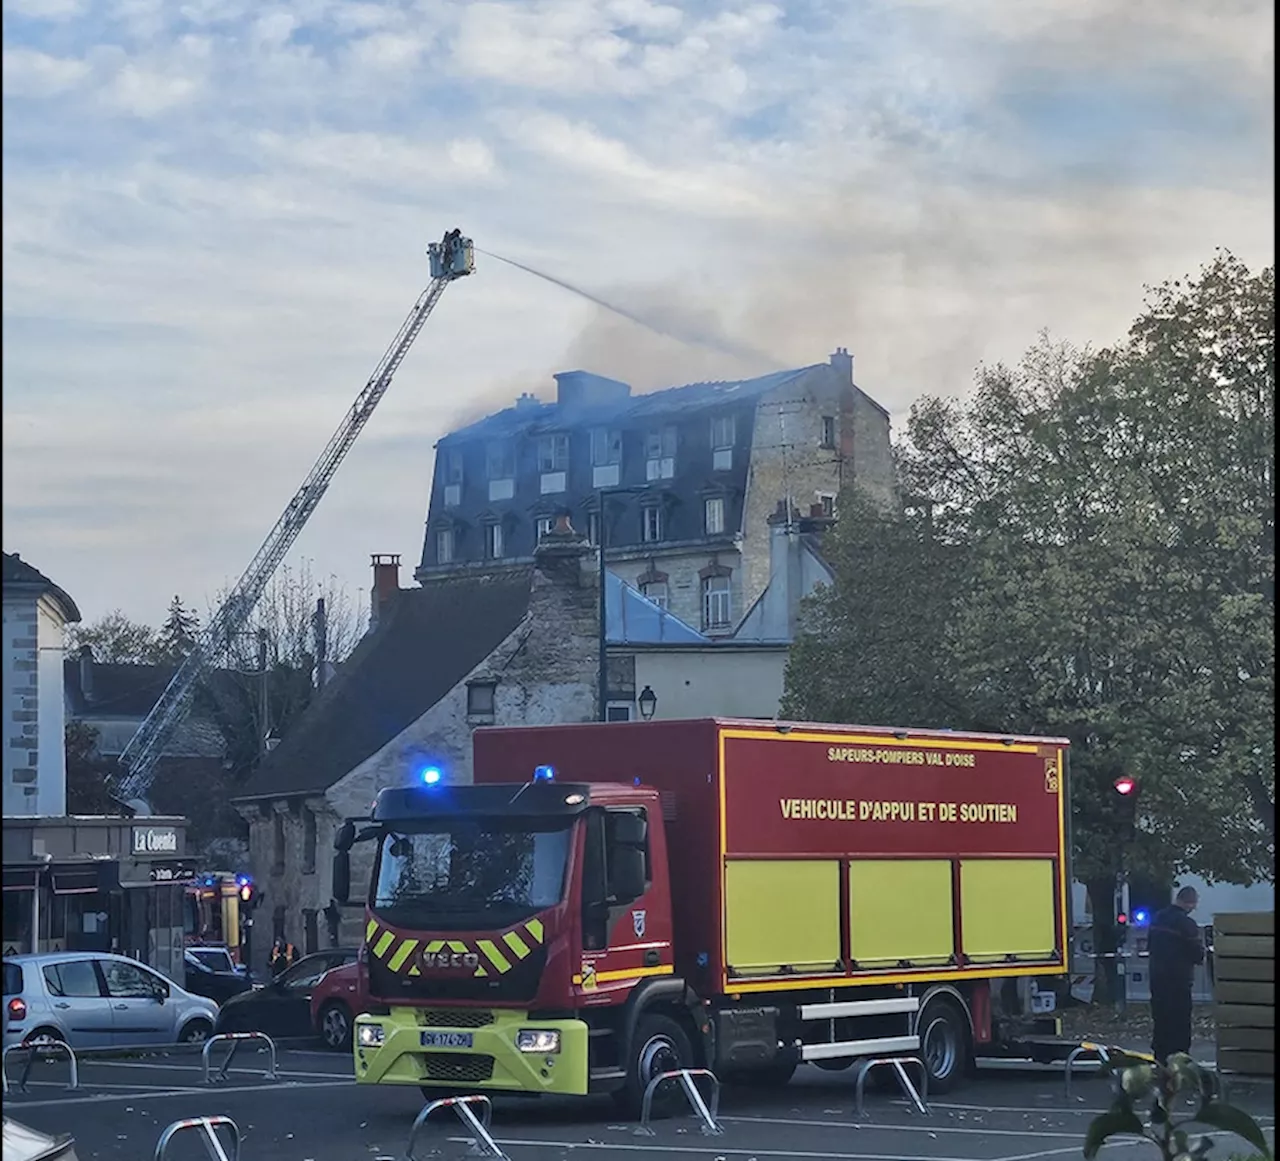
(1125, 784)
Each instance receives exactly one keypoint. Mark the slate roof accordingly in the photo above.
(427, 641)
(121, 689)
(535, 415)
(21, 579)
(632, 619)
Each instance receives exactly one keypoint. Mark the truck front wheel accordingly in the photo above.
(944, 1045)
(659, 1045)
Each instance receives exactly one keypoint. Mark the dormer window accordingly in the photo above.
(545, 526)
(445, 546)
(606, 457)
(493, 546)
(650, 523)
(714, 515)
(722, 441)
(660, 454)
(500, 463)
(553, 462)
(452, 477)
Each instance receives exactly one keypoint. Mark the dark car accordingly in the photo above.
(213, 975)
(282, 1008)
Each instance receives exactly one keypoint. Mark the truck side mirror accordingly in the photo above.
(346, 836)
(342, 876)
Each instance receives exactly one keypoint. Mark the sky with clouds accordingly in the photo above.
(215, 214)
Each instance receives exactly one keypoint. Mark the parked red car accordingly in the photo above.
(335, 1003)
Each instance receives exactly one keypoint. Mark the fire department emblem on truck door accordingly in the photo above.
(638, 923)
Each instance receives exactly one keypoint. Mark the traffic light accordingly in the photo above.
(250, 896)
(1126, 788)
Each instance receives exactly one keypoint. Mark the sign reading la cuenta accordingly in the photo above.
(155, 840)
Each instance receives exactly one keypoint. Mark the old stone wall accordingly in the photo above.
(292, 865)
(793, 462)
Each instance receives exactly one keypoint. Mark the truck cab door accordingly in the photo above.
(626, 920)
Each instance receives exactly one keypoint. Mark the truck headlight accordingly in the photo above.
(370, 1035)
(538, 1040)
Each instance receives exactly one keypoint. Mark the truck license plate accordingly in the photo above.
(446, 1040)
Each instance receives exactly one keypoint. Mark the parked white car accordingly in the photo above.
(94, 1000)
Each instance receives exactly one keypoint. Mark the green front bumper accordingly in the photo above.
(422, 1047)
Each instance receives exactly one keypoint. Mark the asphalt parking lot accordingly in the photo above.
(315, 1112)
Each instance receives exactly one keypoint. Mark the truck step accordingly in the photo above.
(608, 1074)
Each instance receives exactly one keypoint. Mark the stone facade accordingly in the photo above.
(545, 671)
(813, 438)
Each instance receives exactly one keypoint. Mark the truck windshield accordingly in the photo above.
(471, 872)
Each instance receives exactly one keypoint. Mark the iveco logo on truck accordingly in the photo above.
(444, 960)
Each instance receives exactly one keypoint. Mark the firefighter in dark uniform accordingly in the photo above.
(1175, 948)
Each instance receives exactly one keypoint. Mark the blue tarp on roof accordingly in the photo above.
(632, 619)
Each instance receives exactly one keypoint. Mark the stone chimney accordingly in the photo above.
(561, 552)
(525, 401)
(386, 583)
(85, 657)
(582, 389)
(842, 364)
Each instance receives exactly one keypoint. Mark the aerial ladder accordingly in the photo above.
(451, 258)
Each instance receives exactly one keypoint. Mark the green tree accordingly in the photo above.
(115, 639)
(177, 636)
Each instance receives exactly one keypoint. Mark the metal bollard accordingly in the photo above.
(462, 1106)
(33, 1050)
(212, 1145)
(919, 1099)
(237, 1038)
(710, 1125)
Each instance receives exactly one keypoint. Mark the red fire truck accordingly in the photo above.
(607, 902)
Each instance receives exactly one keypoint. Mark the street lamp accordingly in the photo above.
(602, 524)
(648, 703)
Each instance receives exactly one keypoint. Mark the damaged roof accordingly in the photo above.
(531, 414)
(425, 642)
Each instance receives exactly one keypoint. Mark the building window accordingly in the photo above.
(657, 592)
(650, 523)
(722, 440)
(828, 431)
(481, 699)
(452, 478)
(308, 841)
(660, 454)
(277, 843)
(444, 546)
(493, 541)
(606, 447)
(716, 603)
(617, 711)
(500, 460)
(827, 503)
(553, 452)
(714, 509)
(545, 526)
(606, 457)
